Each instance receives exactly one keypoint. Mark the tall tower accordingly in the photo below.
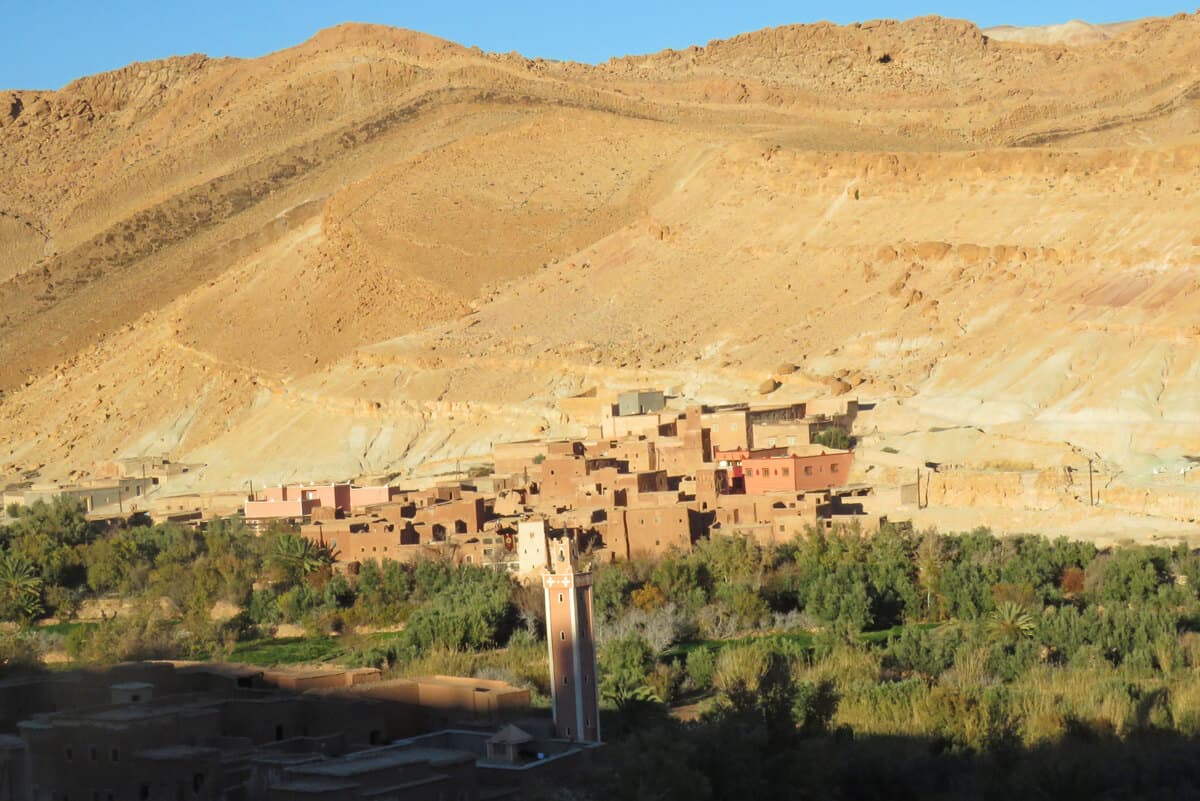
(572, 646)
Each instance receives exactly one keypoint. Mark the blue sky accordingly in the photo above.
(48, 43)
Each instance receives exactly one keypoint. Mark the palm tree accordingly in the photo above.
(295, 557)
(1010, 623)
(20, 588)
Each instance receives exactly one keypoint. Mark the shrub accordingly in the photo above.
(926, 651)
(701, 665)
(19, 651)
(814, 706)
(664, 681)
(833, 438)
(471, 613)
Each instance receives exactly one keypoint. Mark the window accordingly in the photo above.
(787, 471)
(833, 468)
(560, 597)
(92, 751)
(197, 782)
(808, 470)
(562, 635)
(115, 755)
(144, 793)
(566, 681)
(568, 731)
(68, 753)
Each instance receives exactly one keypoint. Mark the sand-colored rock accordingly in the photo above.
(378, 250)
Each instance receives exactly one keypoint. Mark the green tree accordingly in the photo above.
(624, 664)
(1010, 623)
(930, 564)
(20, 589)
(835, 437)
(472, 612)
(701, 665)
(891, 575)
(49, 536)
(294, 557)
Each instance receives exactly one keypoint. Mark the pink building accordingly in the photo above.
(361, 497)
(730, 461)
(298, 500)
(791, 473)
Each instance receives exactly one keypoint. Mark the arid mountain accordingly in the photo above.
(379, 248)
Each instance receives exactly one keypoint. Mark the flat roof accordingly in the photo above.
(313, 786)
(128, 712)
(263, 756)
(381, 759)
(235, 669)
(491, 685)
(177, 752)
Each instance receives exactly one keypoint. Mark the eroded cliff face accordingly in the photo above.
(380, 249)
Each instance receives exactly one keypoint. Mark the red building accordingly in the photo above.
(792, 473)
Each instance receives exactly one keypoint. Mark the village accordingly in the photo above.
(648, 478)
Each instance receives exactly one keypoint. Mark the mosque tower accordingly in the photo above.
(572, 645)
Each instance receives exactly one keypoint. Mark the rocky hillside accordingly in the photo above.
(379, 247)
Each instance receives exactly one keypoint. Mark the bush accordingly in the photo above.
(471, 613)
(664, 681)
(701, 665)
(19, 651)
(140, 636)
(929, 652)
(814, 706)
(624, 664)
(264, 608)
(833, 438)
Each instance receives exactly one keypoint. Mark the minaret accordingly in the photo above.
(572, 647)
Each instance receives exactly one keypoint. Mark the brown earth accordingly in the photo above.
(379, 248)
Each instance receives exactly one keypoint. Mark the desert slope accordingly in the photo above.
(379, 248)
